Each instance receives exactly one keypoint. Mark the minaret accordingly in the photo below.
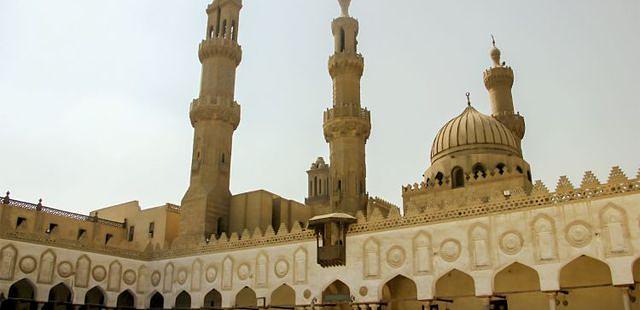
(214, 116)
(498, 80)
(346, 125)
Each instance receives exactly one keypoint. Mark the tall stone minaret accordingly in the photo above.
(347, 125)
(214, 116)
(499, 80)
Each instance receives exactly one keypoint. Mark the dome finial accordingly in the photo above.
(344, 5)
(468, 94)
(495, 53)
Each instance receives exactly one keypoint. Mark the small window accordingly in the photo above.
(501, 168)
(223, 158)
(342, 40)
(478, 171)
(339, 185)
(52, 228)
(20, 221)
(439, 178)
(107, 238)
(81, 233)
(151, 229)
(131, 233)
(519, 169)
(457, 176)
(529, 176)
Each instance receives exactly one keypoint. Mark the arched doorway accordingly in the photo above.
(125, 300)
(401, 293)
(283, 296)
(459, 287)
(337, 293)
(156, 302)
(183, 301)
(246, 297)
(21, 296)
(59, 298)
(521, 285)
(589, 284)
(212, 300)
(94, 298)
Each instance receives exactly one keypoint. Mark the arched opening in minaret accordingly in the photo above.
(520, 285)
(401, 293)
(339, 185)
(234, 31)
(59, 297)
(157, 301)
(439, 178)
(459, 287)
(224, 29)
(457, 177)
(315, 186)
(284, 296)
(210, 32)
(529, 176)
(246, 297)
(213, 299)
(337, 293)
(94, 298)
(125, 300)
(501, 168)
(342, 40)
(519, 169)
(183, 301)
(589, 285)
(21, 296)
(218, 23)
(478, 171)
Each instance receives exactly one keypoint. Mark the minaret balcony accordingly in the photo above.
(498, 76)
(346, 120)
(220, 47)
(218, 108)
(344, 62)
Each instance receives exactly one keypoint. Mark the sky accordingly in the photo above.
(94, 95)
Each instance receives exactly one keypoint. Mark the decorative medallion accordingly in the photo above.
(99, 273)
(65, 269)
(281, 268)
(155, 278)
(28, 264)
(450, 250)
(129, 277)
(182, 276)
(511, 242)
(579, 234)
(211, 274)
(396, 256)
(306, 294)
(243, 271)
(363, 291)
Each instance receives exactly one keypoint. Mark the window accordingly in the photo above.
(439, 178)
(218, 25)
(339, 185)
(81, 233)
(20, 221)
(52, 228)
(457, 176)
(224, 29)
(151, 229)
(529, 176)
(501, 168)
(342, 40)
(107, 237)
(478, 171)
(519, 169)
(222, 158)
(131, 233)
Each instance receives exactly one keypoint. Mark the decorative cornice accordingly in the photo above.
(221, 47)
(341, 63)
(498, 76)
(219, 109)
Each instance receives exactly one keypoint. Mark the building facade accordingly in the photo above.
(475, 233)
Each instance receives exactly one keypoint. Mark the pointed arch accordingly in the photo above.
(479, 171)
(60, 294)
(335, 292)
(126, 300)
(400, 293)
(589, 283)
(183, 301)
(94, 298)
(21, 296)
(157, 301)
(246, 297)
(516, 277)
(284, 295)
(455, 283)
(213, 299)
(342, 43)
(457, 177)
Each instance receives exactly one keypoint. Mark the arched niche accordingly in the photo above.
(337, 293)
(246, 297)
(213, 299)
(460, 287)
(588, 281)
(126, 300)
(21, 296)
(157, 301)
(520, 284)
(401, 293)
(183, 301)
(284, 295)
(60, 297)
(94, 298)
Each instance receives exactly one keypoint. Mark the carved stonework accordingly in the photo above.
(182, 276)
(99, 273)
(306, 294)
(396, 257)
(167, 284)
(244, 271)
(47, 267)
(28, 264)
(65, 269)
(211, 274)
(511, 242)
(115, 276)
(544, 238)
(450, 250)
(83, 269)
(227, 273)
(143, 280)
(363, 291)
(479, 246)
(196, 275)
(281, 268)
(155, 278)
(615, 231)
(300, 266)
(129, 277)
(579, 234)
(371, 253)
(8, 258)
(422, 253)
(261, 276)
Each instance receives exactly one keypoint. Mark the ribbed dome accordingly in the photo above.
(471, 130)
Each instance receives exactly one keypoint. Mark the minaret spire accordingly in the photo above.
(344, 5)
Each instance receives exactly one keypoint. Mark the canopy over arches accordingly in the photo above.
(401, 293)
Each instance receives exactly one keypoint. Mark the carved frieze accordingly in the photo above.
(83, 269)
(9, 255)
(115, 276)
(300, 266)
(47, 267)
(65, 269)
(450, 250)
(28, 264)
(99, 273)
(281, 268)
(511, 242)
(579, 234)
(396, 257)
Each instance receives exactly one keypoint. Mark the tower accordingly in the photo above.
(499, 80)
(214, 116)
(346, 125)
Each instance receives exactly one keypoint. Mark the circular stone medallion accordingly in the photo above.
(129, 277)
(511, 242)
(65, 269)
(182, 276)
(99, 273)
(281, 268)
(243, 271)
(155, 278)
(579, 234)
(363, 291)
(211, 274)
(28, 264)
(396, 257)
(306, 294)
(450, 250)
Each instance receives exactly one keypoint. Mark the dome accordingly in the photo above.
(473, 130)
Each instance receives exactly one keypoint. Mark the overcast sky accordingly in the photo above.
(94, 95)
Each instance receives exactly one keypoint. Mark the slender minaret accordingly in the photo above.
(214, 116)
(499, 80)
(347, 125)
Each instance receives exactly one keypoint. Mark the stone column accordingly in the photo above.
(552, 300)
(626, 300)
(486, 303)
(364, 307)
(374, 306)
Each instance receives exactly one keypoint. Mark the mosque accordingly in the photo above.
(476, 232)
